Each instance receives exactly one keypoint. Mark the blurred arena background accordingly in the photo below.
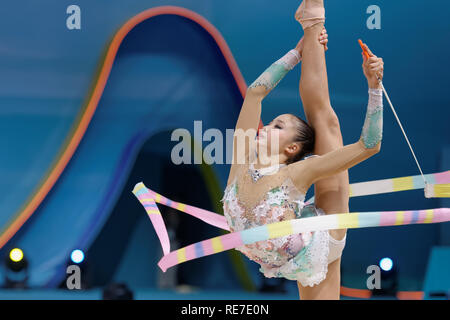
(174, 67)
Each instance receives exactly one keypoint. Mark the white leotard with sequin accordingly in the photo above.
(302, 257)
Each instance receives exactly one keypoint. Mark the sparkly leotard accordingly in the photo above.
(303, 257)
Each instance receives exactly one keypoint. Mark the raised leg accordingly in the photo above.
(331, 194)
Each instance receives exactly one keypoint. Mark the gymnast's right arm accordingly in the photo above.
(307, 172)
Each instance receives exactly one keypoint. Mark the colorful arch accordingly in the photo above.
(79, 128)
(89, 107)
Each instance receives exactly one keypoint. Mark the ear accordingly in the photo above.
(293, 148)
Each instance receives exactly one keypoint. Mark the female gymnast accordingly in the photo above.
(306, 153)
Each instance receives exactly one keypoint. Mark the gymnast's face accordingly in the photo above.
(283, 128)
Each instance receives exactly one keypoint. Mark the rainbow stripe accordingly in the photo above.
(438, 190)
(233, 240)
(148, 201)
(438, 186)
(295, 226)
(217, 220)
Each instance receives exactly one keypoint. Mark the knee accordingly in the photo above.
(328, 121)
(333, 122)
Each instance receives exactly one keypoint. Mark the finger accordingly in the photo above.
(375, 65)
(378, 63)
(364, 59)
(368, 50)
(376, 70)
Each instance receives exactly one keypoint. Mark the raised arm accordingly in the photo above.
(313, 169)
(251, 109)
(249, 117)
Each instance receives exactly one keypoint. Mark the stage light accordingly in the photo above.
(16, 271)
(16, 255)
(388, 277)
(77, 256)
(386, 264)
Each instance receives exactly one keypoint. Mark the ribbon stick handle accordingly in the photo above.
(363, 48)
(366, 53)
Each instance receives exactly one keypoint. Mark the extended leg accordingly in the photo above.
(331, 194)
(314, 81)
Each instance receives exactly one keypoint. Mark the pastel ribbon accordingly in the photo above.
(214, 219)
(438, 186)
(148, 199)
(274, 230)
(295, 226)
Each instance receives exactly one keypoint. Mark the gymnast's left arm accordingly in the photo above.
(308, 171)
(313, 169)
(270, 78)
(249, 117)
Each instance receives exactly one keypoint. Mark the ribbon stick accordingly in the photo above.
(428, 194)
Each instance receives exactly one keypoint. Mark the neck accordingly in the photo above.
(269, 161)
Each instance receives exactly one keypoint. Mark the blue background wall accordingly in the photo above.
(162, 81)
